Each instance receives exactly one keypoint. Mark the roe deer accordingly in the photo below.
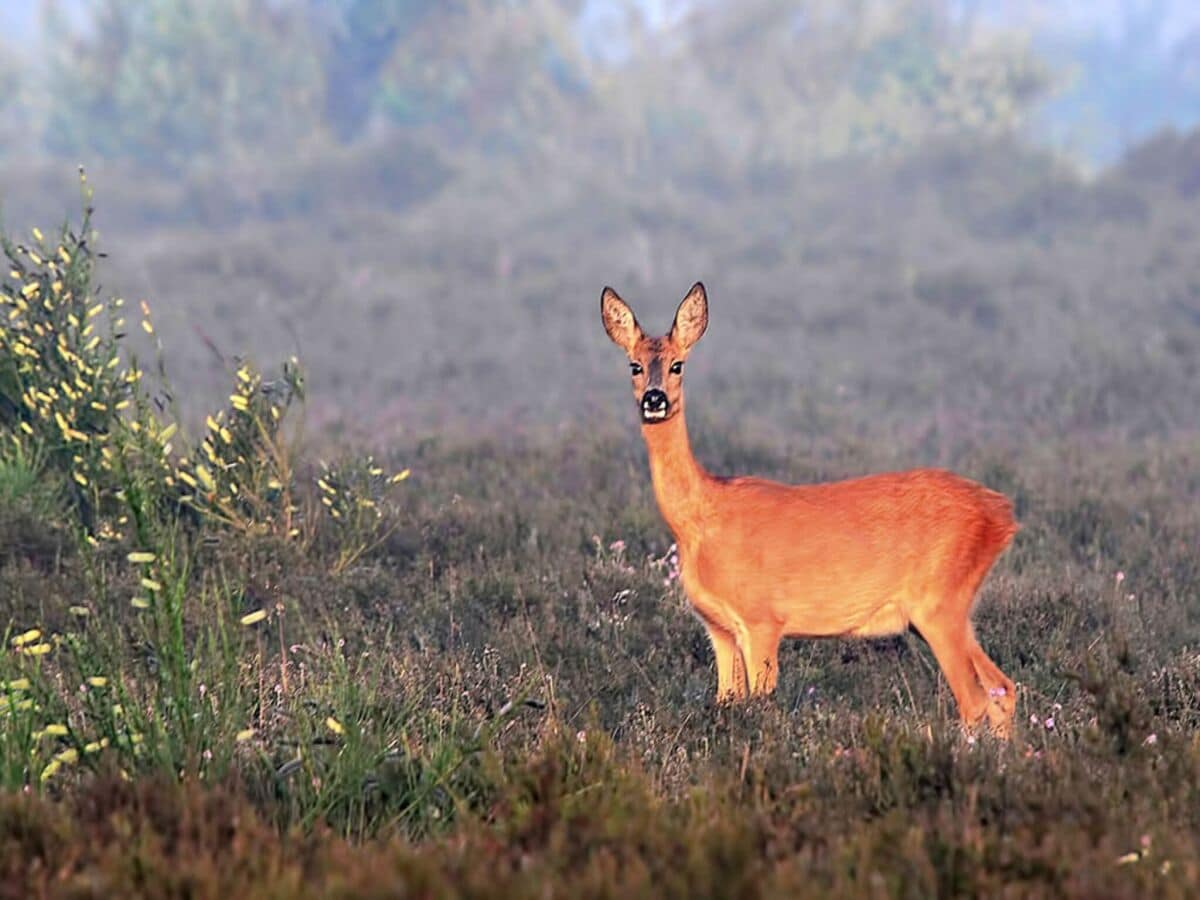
(866, 557)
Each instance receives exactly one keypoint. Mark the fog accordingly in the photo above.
(944, 222)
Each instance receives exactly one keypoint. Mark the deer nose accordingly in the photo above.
(654, 401)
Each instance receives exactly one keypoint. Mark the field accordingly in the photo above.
(481, 677)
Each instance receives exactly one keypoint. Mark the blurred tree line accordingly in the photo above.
(736, 86)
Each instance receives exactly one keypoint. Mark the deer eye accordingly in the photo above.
(635, 368)
(677, 367)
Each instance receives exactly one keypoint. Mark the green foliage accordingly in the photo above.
(353, 493)
(63, 384)
(241, 473)
(27, 485)
(74, 411)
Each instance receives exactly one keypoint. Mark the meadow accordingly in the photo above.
(401, 618)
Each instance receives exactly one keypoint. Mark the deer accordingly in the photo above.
(865, 557)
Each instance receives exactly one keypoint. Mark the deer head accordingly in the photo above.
(656, 364)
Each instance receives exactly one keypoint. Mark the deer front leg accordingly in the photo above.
(731, 671)
(760, 648)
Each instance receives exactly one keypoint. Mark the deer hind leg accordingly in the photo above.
(731, 671)
(1001, 692)
(950, 639)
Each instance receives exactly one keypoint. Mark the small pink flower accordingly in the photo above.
(617, 546)
(581, 737)
(1050, 723)
(997, 691)
(1120, 577)
(1033, 720)
(1151, 740)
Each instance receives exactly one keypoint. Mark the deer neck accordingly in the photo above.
(680, 483)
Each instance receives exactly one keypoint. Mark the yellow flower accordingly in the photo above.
(79, 611)
(37, 649)
(141, 556)
(56, 730)
(239, 402)
(97, 681)
(206, 477)
(140, 603)
(19, 684)
(257, 616)
(244, 735)
(27, 637)
(334, 725)
(151, 585)
(401, 476)
(37, 234)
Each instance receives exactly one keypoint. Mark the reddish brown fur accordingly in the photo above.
(866, 557)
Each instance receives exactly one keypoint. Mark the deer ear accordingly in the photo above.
(691, 318)
(619, 320)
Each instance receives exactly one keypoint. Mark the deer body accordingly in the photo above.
(866, 557)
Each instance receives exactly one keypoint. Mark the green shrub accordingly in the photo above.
(86, 442)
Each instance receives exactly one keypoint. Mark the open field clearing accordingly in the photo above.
(481, 674)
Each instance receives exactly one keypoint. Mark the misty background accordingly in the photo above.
(940, 223)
